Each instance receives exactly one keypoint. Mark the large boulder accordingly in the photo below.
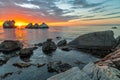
(107, 68)
(102, 41)
(49, 46)
(10, 45)
(9, 24)
(58, 66)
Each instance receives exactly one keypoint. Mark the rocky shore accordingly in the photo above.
(100, 44)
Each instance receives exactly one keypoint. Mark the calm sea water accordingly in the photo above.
(33, 36)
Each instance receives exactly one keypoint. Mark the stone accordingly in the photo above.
(5, 75)
(10, 45)
(96, 43)
(22, 65)
(39, 44)
(49, 46)
(66, 48)
(26, 52)
(3, 60)
(58, 66)
(62, 43)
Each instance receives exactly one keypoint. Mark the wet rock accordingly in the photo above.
(22, 65)
(3, 60)
(62, 43)
(40, 65)
(9, 24)
(97, 43)
(107, 68)
(58, 66)
(114, 27)
(6, 75)
(10, 45)
(66, 48)
(58, 37)
(26, 52)
(49, 46)
(39, 44)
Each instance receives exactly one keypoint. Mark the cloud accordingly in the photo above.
(60, 10)
(101, 18)
(113, 13)
(28, 5)
(86, 4)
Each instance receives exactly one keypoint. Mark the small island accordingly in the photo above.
(37, 26)
(9, 24)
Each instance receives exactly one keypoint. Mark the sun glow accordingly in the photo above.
(20, 24)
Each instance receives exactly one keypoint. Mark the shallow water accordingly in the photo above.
(33, 36)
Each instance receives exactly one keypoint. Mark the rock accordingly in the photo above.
(62, 43)
(39, 44)
(29, 25)
(73, 74)
(10, 45)
(26, 52)
(40, 65)
(5, 75)
(22, 65)
(35, 25)
(58, 37)
(66, 48)
(58, 66)
(3, 60)
(114, 27)
(9, 24)
(49, 46)
(118, 43)
(44, 25)
(107, 68)
(95, 43)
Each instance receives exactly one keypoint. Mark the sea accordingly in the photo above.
(29, 37)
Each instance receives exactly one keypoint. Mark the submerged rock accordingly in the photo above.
(22, 65)
(9, 24)
(49, 46)
(62, 43)
(10, 45)
(3, 60)
(26, 52)
(5, 75)
(58, 66)
(95, 43)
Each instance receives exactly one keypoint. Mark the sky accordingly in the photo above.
(61, 12)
